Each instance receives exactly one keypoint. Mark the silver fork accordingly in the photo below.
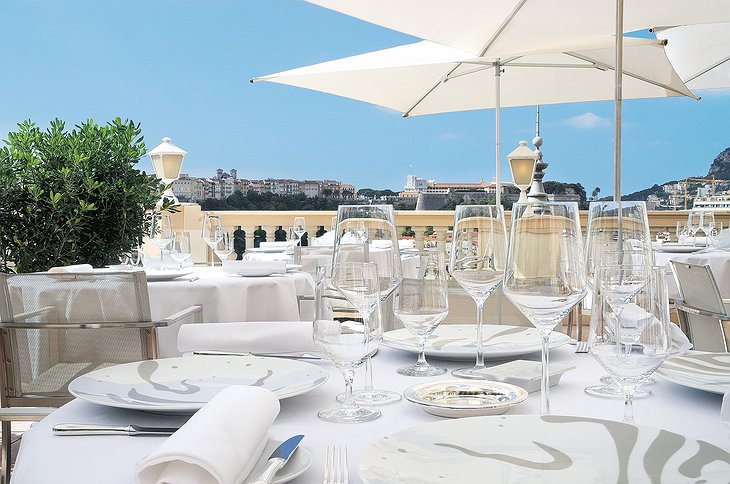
(581, 347)
(335, 465)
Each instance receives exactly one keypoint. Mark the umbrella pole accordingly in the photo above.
(497, 74)
(618, 97)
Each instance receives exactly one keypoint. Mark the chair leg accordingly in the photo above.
(6, 452)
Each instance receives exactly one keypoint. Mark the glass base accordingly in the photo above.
(613, 391)
(421, 370)
(474, 373)
(372, 397)
(609, 381)
(348, 415)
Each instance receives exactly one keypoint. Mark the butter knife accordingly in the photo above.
(277, 459)
(293, 355)
(91, 429)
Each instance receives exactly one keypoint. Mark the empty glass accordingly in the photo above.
(478, 255)
(161, 233)
(224, 247)
(545, 273)
(346, 335)
(181, 249)
(300, 228)
(212, 233)
(421, 303)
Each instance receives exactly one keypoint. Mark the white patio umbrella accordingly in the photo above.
(485, 27)
(429, 78)
(700, 54)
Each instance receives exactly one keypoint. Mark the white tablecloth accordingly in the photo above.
(45, 458)
(719, 262)
(225, 298)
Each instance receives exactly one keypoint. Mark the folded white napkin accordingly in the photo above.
(217, 445)
(680, 342)
(634, 316)
(256, 337)
(689, 240)
(75, 268)
(254, 268)
(326, 240)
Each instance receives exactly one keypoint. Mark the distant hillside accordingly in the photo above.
(721, 166)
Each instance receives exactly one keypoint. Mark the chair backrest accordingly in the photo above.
(58, 326)
(699, 292)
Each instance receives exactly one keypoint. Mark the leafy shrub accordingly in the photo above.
(72, 197)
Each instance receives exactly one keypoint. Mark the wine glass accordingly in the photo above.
(224, 247)
(545, 273)
(377, 242)
(161, 233)
(181, 249)
(478, 255)
(421, 303)
(212, 233)
(347, 336)
(632, 343)
(707, 224)
(300, 228)
(694, 223)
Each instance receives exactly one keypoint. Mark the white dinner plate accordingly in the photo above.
(704, 371)
(526, 374)
(184, 385)
(526, 448)
(459, 342)
(297, 464)
(679, 249)
(154, 275)
(465, 398)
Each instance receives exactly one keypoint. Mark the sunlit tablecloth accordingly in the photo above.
(719, 262)
(46, 458)
(227, 297)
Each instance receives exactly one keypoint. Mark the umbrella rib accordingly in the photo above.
(705, 71)
(628, 73)
(502, 26)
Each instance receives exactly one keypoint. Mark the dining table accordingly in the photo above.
(718, 260)
(45, 457)
(226, 297)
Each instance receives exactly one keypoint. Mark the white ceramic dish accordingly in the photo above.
(529, 449)
(465, 398)
(297, 465)
(184, 385)
(704, 371)
(526, 374)
(154, 275)
(678, 248)
(458, 341)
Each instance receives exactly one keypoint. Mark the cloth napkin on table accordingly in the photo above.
(217, 445)
(254, 267)
(255, 337)
(326, 240)
(633, 315)
(73, 269)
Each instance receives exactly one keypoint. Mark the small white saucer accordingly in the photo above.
(526, 374)
(465, 398)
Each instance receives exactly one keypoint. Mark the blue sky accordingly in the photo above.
(181, 69)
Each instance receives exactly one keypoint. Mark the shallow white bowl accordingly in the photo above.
(465, 398)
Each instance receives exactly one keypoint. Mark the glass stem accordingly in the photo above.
(368, 375)
(421, 352)
(480, 344)
(348, 403)
(629, 406)
(544, 380)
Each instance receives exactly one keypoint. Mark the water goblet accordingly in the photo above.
(161, 233)
(224, 247)
(346, 337)
(212, 233)
(421, 303)
(545, 274)
(181, 249)
(632, 343)
(300, 228)
(478, 256)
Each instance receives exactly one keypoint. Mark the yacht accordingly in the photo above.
(717, 203)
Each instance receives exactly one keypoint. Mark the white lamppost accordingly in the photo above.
(522, 163)
(167, 160)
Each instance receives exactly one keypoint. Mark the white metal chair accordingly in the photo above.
(55, 327)
(701, 309)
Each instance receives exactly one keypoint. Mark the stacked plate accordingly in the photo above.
(704, 371)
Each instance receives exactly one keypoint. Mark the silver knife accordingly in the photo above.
(277, 460)
(294, 355)
(90, 429)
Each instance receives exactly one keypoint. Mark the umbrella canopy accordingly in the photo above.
(700, 54)
(429, 78)
(485, 27)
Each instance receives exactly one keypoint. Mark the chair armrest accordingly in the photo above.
(89, 325)
(196, 311)
(726, 301)
(24, 414)
(689, 309)
(32, 314)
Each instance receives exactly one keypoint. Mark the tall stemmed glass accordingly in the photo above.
(212, 234)
(161, 233)
(545, 274)
(181, 249)
(421, 303)
(478, 257)
(347, 334)
(224, 248)
(632, 343)
(300, 228)
(376, 240)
